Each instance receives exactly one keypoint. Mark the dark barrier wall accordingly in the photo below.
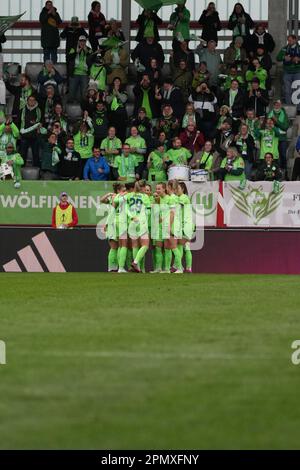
(225, 251)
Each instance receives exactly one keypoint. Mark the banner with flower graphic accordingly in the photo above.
(262, 204)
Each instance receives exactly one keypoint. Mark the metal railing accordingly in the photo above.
(23, 40)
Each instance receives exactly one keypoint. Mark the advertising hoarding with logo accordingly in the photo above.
(262, 205)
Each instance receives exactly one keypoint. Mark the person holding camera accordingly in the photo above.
(205, 104)
(232, 167)
(269, 169)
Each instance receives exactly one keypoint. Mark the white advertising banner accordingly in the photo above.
(258, 205)
(206, 195)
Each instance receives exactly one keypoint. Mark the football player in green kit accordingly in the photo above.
(112, 226)
(159, 211)
(147, 189)
(137, 207)
(187, 226)
(174, 228)
(119, 203)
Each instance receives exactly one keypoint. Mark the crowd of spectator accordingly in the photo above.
(211, 113)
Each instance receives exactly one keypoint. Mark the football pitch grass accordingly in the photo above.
(99, 361)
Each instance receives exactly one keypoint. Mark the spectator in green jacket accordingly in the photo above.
(182, 78)
(78, 70)
(269, 139)
(49, 158)
(282, 123)
(233, 74)
(124, 168)
(155, 164)
(50, 20)
(180, 25)
(257, 71)
(232, 167)
(14, 159)
(9, 134)
(98, 72)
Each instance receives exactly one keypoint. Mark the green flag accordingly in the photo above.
(157, 4)
(6, 22)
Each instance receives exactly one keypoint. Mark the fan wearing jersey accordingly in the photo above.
(178, 155)
(137, 205)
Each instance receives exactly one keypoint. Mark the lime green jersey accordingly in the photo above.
(138, 206)
(236, 164)
(126, 166)
(156, 171)
(138, 143)
(178, 156)
(186, 216)
(107, 145)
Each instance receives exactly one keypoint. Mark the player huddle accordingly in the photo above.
(139, 220)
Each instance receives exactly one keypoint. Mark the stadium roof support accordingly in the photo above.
(126, 17)
(278, 17)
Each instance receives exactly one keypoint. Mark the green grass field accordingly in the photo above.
(99, 361)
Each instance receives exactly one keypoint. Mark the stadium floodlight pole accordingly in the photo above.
(126, 19)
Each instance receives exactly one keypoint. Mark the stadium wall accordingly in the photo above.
(79, 250)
